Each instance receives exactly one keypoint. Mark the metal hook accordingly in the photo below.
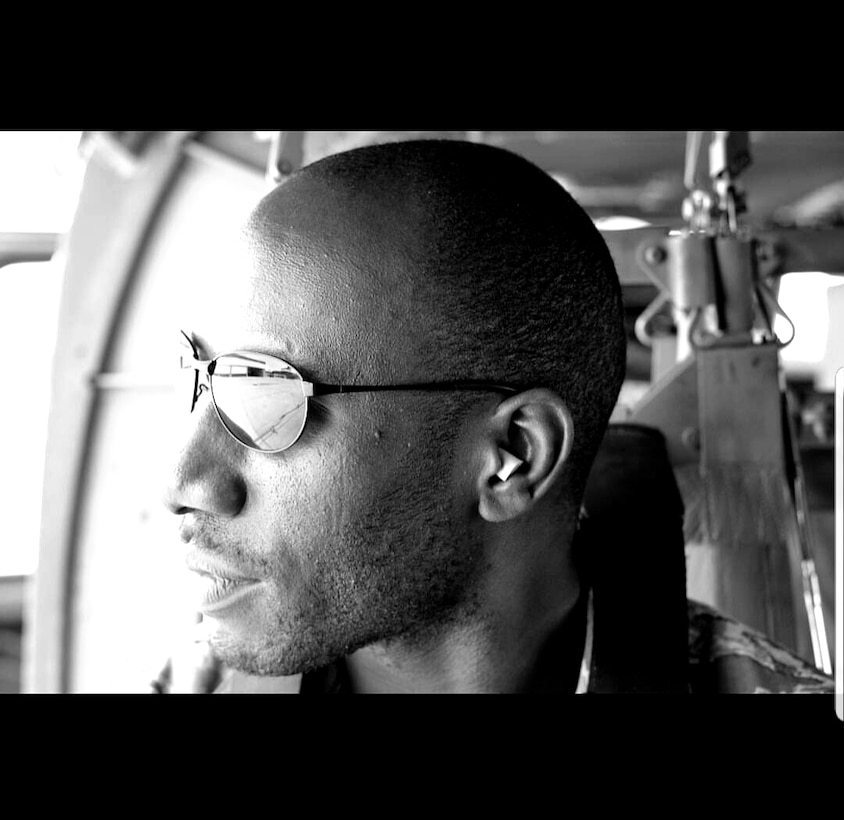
(643, 333)
(763, 290)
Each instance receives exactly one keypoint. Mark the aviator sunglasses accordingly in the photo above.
(262, 401)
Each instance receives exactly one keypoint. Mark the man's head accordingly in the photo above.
(401, 264)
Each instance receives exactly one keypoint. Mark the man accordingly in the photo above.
(396, 406)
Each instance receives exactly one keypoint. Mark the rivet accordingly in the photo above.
(691, 438)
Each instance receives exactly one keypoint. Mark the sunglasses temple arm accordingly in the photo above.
(312, 389)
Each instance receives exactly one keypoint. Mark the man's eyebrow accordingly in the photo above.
(208, 352)
(204, 350)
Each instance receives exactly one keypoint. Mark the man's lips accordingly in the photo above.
(217, 586)
(201, 565)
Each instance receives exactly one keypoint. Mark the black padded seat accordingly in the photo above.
(632, 548)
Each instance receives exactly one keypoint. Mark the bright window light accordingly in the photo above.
(40, 179)
(805, 298)
(28, 346)
(620, 223)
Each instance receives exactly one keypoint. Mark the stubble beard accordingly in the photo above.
(409, 574)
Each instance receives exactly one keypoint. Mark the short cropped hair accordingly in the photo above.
(525, 289)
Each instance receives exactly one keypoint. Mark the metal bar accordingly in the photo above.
(694, 144)
(130, 381)
(16, 248)
(799, 250)
(287, 155)
(814, 610)
(785, 251)
(811, 586)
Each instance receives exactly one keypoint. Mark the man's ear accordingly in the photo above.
(532, 439)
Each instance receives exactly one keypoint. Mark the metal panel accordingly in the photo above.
(113, 216)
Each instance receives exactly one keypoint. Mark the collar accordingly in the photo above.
(586, 662)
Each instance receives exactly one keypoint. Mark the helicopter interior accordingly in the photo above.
(728, 245)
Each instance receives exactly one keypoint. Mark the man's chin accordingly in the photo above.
(295, 648)
(276, 661)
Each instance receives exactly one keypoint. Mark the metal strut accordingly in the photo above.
(718, 369)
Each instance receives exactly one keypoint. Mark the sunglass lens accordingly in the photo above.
(260, 400)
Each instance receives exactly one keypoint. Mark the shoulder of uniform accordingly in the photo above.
(727, 656)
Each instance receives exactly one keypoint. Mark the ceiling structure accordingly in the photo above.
(797, 177)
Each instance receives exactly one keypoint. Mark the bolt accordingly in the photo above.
(285, 167)
(655, 255)
(766, 252)
(691, 438)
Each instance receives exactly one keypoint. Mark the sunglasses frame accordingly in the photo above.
(316, 389)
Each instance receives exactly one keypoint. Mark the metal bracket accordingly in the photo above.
(287, 155)
(697, 272)
(785, 250)
(729, 156)
(729, 153)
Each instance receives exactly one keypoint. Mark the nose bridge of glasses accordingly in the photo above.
(191, 362)
(200, 369)
(203, 378)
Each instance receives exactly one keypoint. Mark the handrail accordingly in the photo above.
(19, 247)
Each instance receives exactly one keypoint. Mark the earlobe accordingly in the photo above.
(504, 500)
(505, 495)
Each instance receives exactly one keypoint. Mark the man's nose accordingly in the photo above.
(206, 475)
